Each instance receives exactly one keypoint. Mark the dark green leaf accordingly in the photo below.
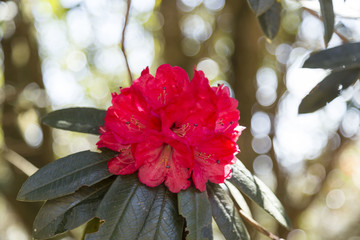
(328, 89)
(256, 190)
(342, 57)
(66, 175)
(260, 6)
(195, 207)
(63, 214)
(133, 211)
(85, 120)
(270, 20)
(327, 13)
(225, 213)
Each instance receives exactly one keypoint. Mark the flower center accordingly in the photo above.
(180, 130)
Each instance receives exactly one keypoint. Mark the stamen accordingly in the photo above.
(195, 125)
(218, 161)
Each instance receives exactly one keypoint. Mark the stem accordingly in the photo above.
(257, 226)
(123, 40)
(20, 162)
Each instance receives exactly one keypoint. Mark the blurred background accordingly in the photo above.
(61, 53)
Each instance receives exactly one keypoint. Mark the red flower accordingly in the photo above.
(170, 129)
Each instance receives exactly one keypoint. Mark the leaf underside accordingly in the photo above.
(343, 57)
(328, 89)
(270, 20)
(84, 120)
(66, 175)
(257, 191)
(225, 213)
(133, 211)
(65, 213)
(195, 207)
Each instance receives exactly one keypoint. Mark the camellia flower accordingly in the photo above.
(171, 130)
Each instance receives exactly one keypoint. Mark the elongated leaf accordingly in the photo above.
(238, 198)
(66, 175)
(327, 13)
(195, 207)
(63, 214)
(342, 57)
(133, 211)
(270, 20)
(85, 120)
(256, 190)
(260, 6)
(225, 214)
(328, 89)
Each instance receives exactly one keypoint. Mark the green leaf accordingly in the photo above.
(85, 120)
(133, 211)
(338, 58)
(256, 190)
(66, 175)
(63, 214)
(225, 214)
(270, 20)
(328, 89)
(195, 207)
(327, 13)
(238, 197)
(260, 6)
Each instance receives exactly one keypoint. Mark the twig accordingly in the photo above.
(252, 222)
(257, 226)
(123, 40)
(341, 36)
(20, 162)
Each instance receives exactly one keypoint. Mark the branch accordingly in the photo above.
(257, 226)
(123, 40)
(20, 162)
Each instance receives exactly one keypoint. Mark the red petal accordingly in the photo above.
(212, 159)
(161, 162)
(129, 118)
(122, 164)
(168, 83)
(108, 140)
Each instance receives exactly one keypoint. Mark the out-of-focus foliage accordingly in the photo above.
(311, 161)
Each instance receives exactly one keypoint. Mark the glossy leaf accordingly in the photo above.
(133, 211)
(328, 89)
(270, 20)
(225, 214)
(328, 17)
(66, 175)
(195, 207)
(260, 6)
(85, 120)
(339, 58)
(257, 191)
(63, 214)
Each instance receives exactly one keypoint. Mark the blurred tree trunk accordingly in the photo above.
(18, 74)
(173, 53)
(245, 62)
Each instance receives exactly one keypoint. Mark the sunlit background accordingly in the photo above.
(311, 161)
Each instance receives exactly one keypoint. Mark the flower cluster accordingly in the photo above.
(171, 129)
